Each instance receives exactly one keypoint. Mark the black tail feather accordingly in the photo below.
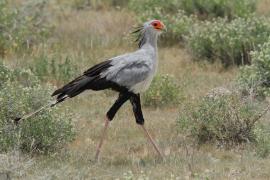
(73, 88)
(59, 101)
(89, 80)
(16, 120)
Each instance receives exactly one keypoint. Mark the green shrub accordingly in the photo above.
(45, 132)
(5, 74)
(226, 120)
(163, 91)
(141, 6)
(21, 28)
(176, 21)
(206, 9)
(256, 77)
(25, 77)
(47, 68)
(228, 42)
(262, 141)
(97, 4)
(180, 15)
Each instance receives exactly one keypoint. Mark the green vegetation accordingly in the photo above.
(206, 9)
(97, 4)
(163, 91)
(47, 69)
(21, 92)
(256, 78)
(262, 133)
(22, 28)
(177, 22)
(179, 16)
(226, 119)
(228, 42)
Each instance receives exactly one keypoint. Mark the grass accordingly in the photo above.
(263, 7)
(126, 153)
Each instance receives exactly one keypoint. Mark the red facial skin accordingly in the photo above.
(158, 25)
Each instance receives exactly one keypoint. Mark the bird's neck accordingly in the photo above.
(150, 38)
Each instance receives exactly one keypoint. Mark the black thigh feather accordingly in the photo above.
(136, 104)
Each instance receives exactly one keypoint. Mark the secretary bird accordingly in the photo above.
(129, 74)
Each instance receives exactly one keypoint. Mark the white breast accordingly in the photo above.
(144, 85)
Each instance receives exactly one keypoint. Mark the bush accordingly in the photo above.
(228, 42)
(180, 15)
(22, 28)
(25, 77)
(163, 91)
(47, 68)
(226, 120)
(5, 74)
(206, 9)
(176, 21)
(256, 77)
(97, 4)
(262, 141)
(45, 132)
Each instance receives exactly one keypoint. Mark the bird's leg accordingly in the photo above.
(102, 138)
(152, 141)
(123, 97)
(136, 104)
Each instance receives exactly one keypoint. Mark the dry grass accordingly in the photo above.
(263, 7)
(14, 164)
(196, 79)
(92, 36)
(88, 30)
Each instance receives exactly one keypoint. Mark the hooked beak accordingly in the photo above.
(162, 27)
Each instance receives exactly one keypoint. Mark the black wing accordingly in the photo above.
(89, 80)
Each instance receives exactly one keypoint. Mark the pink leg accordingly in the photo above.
(102, 138)
(152, 141)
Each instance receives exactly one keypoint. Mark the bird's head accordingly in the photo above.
(155, 25)
(150, 28)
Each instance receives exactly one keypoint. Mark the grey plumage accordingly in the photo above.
(132, 71)
(136, 70)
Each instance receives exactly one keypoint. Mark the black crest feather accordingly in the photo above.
(140, 36)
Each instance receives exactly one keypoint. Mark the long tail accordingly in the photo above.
(74, 87)
(49, 105)
(89, 80)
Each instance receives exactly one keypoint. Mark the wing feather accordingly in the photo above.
(129, 70)
(132, 74)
